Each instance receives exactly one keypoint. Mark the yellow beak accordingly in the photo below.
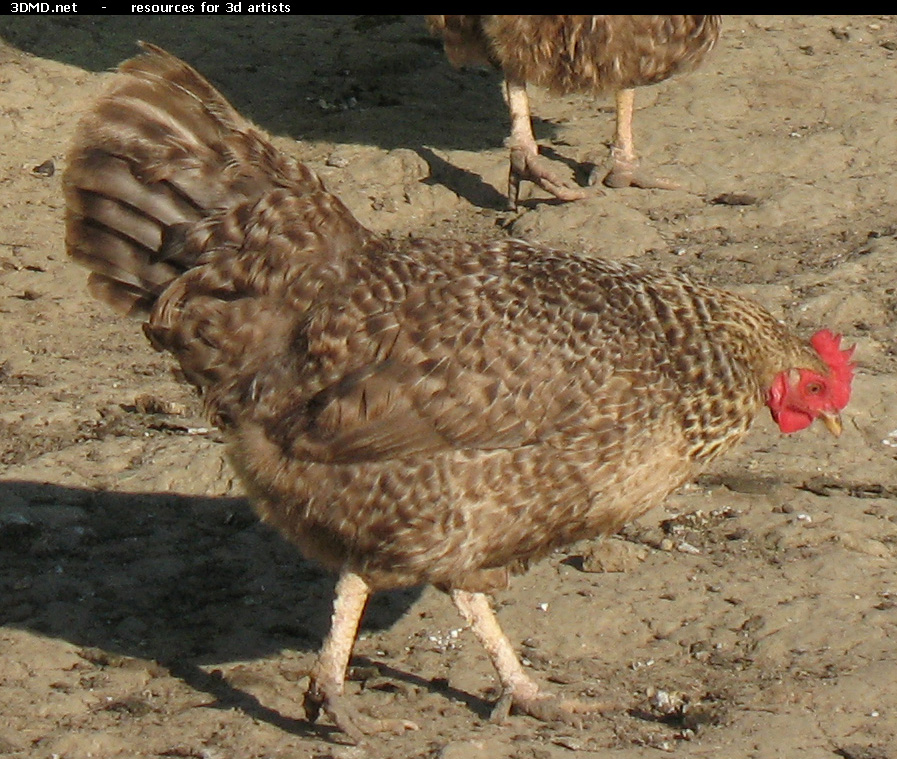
(832, 422)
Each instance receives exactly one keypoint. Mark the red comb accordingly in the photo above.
(828, 345)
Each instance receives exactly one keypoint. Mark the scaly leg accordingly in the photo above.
(525, 160)
(519, 690)
(327, 677)
(625, 171)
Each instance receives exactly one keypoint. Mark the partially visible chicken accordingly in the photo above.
(577, 54)
(413, 411)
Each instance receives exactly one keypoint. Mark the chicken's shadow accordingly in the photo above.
(161, 576)
(182, 580)
(381, 81)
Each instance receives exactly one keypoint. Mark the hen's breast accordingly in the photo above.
(444, 518)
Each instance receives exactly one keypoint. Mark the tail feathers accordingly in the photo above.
(161, 151)
(128, 300)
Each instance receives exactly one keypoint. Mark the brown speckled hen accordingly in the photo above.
(577, 54)
(413, 411)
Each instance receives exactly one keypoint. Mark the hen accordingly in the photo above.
(413, 411)
(577, 54)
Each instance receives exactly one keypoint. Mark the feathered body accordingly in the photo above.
(407, 411)
(580, 54)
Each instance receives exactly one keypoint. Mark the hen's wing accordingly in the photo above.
(416, 355)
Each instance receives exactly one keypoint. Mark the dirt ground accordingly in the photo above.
(144, 612)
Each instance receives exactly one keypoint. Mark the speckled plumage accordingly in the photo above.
(409, 411)
(580, 54)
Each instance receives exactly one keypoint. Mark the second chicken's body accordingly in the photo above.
(578, 54)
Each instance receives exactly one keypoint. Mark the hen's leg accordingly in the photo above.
(327, 677)
(625, 171)
(519, 690)
(525, 160)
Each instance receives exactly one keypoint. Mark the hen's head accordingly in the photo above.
(798, 396)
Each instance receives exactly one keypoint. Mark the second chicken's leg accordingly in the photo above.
(526, 164)
(626, 171)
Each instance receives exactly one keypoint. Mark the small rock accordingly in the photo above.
(569, 741)
(735, 199)
(337, 161)
(17, 530)
(750, 484)
(473, 749)
(45, 169)
(147, 403)
(613, 555)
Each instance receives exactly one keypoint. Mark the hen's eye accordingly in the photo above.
(814, 388)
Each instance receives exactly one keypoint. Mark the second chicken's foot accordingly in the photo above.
(628, 173)
(526, 165)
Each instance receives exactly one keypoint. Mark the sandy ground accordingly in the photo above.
(146, 613)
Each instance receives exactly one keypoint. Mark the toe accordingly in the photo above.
(549, 708)
(528, 166)
(348, 719)
(631, 176)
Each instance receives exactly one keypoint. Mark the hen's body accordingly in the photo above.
(406, 411)
(453, 408)
(568, 55)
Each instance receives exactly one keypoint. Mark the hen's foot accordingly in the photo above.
(526, 165)
(629, 174)
(548, 708)
(353, 723)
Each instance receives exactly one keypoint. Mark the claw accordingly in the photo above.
(525, 165)
(354, 724)
(549, 708)
(626, 173)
